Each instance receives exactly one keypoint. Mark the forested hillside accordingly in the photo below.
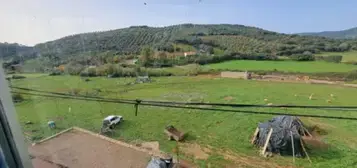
(235, 38)
(206, 40)
(343, 34)
(13, 51)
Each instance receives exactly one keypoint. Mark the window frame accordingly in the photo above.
(12, 140)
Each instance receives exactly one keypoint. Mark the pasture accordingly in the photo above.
(282, 66)
(218, 131)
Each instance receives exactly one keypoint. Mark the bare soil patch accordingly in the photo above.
(210, 76)
(154, 145)
(196, 150)
(314, 143)
(228, 98)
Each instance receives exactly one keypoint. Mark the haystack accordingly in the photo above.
(281, 135)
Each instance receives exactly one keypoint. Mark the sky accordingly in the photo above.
(30, 22)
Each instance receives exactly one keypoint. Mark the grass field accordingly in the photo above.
(221, 131)
(286, 66)
(347, 56)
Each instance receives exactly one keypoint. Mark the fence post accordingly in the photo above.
(137, 106)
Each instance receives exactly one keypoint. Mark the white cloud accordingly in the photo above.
(36, 21)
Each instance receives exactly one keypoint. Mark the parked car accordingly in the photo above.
(113, 120)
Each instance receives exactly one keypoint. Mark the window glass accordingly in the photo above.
(201, 83)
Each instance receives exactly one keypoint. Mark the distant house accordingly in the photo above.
(189, 53)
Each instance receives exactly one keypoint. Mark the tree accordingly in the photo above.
(146, 56)
(162, 55)
(344, 46)
(307, 53)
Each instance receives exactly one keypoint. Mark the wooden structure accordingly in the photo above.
(281, 128)
(173, 133)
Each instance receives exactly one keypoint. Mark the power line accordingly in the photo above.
(184, 107)
(351, 108)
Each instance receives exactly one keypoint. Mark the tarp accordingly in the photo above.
(284, 127)
(159, 163)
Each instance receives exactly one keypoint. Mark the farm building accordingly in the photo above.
(189, 53)
(281, 135)
(77, 147)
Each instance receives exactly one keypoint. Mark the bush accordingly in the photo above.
(351, 75)
(330, 58)
(334, 58)
(302, 57)
(16, 97)
(351, 62)
(128, 72)
(74, 69)
(89, 72)
(55, 72)
(158, 72)
(75, 91)
(18, 77)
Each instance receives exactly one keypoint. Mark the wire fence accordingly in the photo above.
(192, 106)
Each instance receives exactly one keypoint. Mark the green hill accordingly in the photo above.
(215, 39)
(8, 51)
(343, 34)
(235, 38)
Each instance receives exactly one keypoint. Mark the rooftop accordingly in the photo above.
(77, 147)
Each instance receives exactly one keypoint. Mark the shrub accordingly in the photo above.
(351, 75)
(194, 70)
(18, 77)
(74, 69)
(16, 97)
(128, 72)
(89, 72)
(158, 72)
(351, 62)
(334, 58)
(302, 57)
(83, 74)
(55, 72)
(330, 58)
(75, 91)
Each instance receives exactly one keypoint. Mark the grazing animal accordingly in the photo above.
(311, 96)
